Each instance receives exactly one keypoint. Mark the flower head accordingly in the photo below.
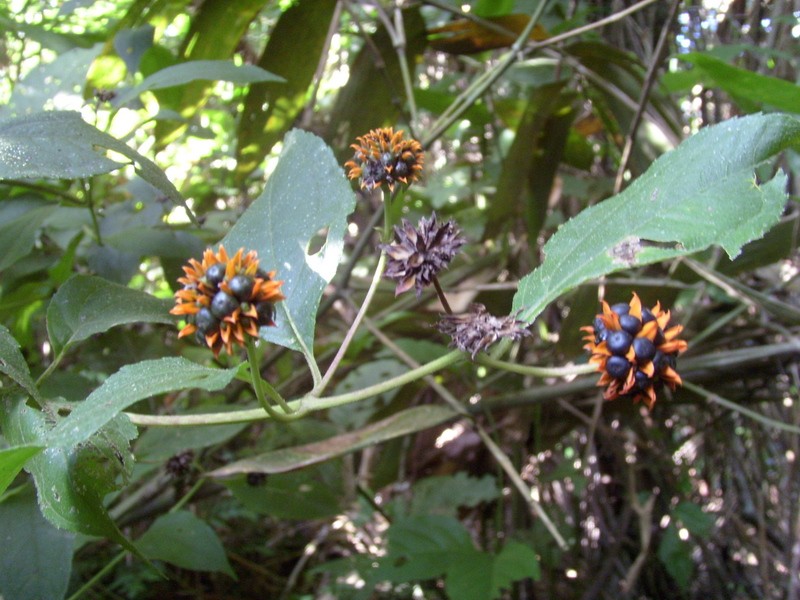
(635, 350)
(476, 329)
(418, 254)
(226, 298)
(383, 156)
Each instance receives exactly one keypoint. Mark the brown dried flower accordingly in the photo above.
(418, 254)
(476, 329)
(383, 156)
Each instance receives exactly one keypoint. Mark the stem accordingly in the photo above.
(309, 403)
(259, 385)
(442, 297)
(348, 338)
(533, 371)
(98, 576)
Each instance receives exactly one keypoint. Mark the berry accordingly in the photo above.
(241, 286)
(205, 321)
(215, 274)
(617, 367)
(630, 324)
(618, 342)
(266, 312)
(645, 350)
(642, 380)
(621, 308)
(223, 304)
(647, 316)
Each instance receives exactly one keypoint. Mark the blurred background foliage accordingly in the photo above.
(690, 500)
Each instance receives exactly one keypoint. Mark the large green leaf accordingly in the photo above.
(747, 87)
(129, 385)
(36, 559)
(11, 462)
(13, 364)
(61, 145)
(702, 193)
(288, 459)
(180, 538)
(57, 145)
(86, 305)
(481, 576)
(20, 221)
(271, 108)
(199, 70)
(67, 494)
(305, 195)
(445, 494)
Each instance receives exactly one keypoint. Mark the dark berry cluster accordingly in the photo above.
(635, 350)
(383, 156)
(224, 299)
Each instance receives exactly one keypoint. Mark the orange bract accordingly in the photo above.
(635, 350)
(383, 156)
(226, 298)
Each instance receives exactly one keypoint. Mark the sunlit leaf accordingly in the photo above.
(749, 88)
(129, 385)
(702, 193)
(286, 459)
(199, 70)
(36, 560)
(182, 539)
(271, 108)
(86, 305)
(307, 195)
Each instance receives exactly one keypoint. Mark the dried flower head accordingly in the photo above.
(476, 329)
(417, 255)
(635, 350)
(224, 299)
(383, 156)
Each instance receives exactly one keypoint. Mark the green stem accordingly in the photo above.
(308, 403)
(98, 576)
(259, 385)
(533, 371)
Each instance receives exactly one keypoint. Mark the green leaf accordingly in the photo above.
(745, 86)
(86, 305)
(20, 221)
(36, 560)
(288, 459)
(282, 223)
(13, 364)
(181, 539)
(445, 494)
(129, 385)
(482, 576)
(676, 556)
(65, 499)
(198, 70)
(313, 493)
(61, 145)
(702, 193)
(259, 127)
(692, 517)
(55, 145)
(11, 462)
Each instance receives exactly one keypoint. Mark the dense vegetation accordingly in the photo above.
(458, 213)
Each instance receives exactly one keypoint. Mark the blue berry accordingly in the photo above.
(266, 312)
(205, 321)
(241, 286)
(645, 350)
(223, 304)
(618, 342)
(617, 367)
(215, 274)
(621, 308)
(630, 324)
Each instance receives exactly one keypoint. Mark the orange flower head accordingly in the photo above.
(224, 299)
(635, 349)
(383, 156)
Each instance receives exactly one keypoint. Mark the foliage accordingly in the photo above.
(374, 459)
